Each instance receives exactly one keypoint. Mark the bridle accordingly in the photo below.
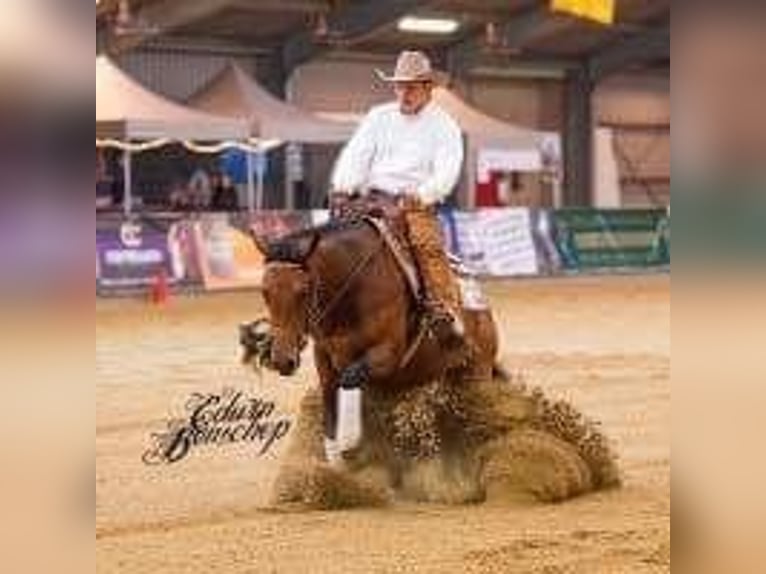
(316, 313)
(276, 328)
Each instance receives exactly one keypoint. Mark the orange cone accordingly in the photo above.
(160, 290)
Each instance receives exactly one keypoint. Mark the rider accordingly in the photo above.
(413, 150)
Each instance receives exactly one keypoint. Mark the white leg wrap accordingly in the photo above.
(348, 433)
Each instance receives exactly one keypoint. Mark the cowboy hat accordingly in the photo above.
(411, 66)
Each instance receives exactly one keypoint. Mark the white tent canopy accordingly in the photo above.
(235, 94)
(483, 130)
(125, 110)
(492, 143)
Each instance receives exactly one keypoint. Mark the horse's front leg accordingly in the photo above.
(328, 380)
(342, 398)
(377, 363)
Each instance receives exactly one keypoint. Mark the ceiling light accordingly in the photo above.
(427, 25)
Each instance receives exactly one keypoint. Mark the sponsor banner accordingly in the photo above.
(132, 254)
(497, 242)
(218, 250)
(214, 249)
(183, 252)
(227, 256)
(601, 238)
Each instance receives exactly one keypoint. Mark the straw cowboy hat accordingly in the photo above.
(411, 66)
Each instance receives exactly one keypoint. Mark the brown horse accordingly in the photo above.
(342, 286)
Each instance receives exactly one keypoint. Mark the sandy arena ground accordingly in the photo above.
(603, 343)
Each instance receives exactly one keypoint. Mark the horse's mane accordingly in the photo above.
(297, 246)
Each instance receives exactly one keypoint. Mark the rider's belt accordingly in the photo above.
(377, 192)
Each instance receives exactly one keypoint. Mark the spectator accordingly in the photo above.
(103, 183)
(180, 198)
(118, 181)
(200, 189)
(224, 194)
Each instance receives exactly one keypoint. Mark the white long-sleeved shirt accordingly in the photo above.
(400, 153)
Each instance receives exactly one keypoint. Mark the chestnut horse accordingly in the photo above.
(341, 285)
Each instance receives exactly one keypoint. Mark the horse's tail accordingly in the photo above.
(500, 372)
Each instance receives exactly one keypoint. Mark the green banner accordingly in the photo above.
(609, 238)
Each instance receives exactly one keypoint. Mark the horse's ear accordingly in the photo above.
(261, 243)
(305, 245)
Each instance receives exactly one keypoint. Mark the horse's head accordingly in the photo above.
(285, 292)
(285, 288)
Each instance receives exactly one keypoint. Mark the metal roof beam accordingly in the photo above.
(306, 6)
(171, 14)
(166, 16)
(473, 56)
(536, 22)
(630, 50)
(352, 21)
(475, 52)
(516, 65)
(195, 45)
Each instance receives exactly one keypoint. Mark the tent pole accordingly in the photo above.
(250, 184)
(259, 189)
(471, 173)
(260, 174)
(557, 189)
(289, 199)
(127, 192)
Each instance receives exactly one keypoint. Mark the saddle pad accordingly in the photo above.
(401, 253)
(472, 294)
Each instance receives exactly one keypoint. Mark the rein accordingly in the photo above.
(316, 318)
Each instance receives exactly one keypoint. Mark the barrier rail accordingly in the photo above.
(214, 250)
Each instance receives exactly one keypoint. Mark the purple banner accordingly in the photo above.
(132, 254)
